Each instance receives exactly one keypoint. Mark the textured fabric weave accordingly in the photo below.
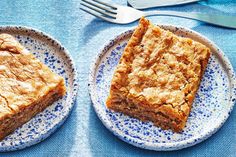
(83, 134)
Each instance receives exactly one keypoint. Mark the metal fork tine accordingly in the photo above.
(98, 10)
(106, 4)
(97, 15)
(93, 3)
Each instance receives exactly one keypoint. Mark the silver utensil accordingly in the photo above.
(144, 4)
(123, 15)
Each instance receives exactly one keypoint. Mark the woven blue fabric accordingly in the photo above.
(83, 134)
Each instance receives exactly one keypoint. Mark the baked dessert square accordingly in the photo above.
(158, 76)
(27, 86)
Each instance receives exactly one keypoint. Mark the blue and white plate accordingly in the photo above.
(54, 55)
(213, 103)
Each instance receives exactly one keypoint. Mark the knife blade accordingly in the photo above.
(144, 4)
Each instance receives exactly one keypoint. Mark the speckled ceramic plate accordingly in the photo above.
(53, 54)
(213, 103)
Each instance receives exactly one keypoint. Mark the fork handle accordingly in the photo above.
(219, 20)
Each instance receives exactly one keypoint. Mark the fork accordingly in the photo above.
(122, 15)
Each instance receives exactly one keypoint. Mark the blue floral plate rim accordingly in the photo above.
(162, 146)
(74, 89)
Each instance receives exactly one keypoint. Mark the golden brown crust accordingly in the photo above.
(25, 83)
(158, 73)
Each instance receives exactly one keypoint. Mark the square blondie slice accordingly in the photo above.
(158, 76)
(27, 86)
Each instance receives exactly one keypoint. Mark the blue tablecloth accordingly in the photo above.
(83, 134)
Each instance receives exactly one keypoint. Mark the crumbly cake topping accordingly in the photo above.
(159, 71)
(8, 43)
(23, 78)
